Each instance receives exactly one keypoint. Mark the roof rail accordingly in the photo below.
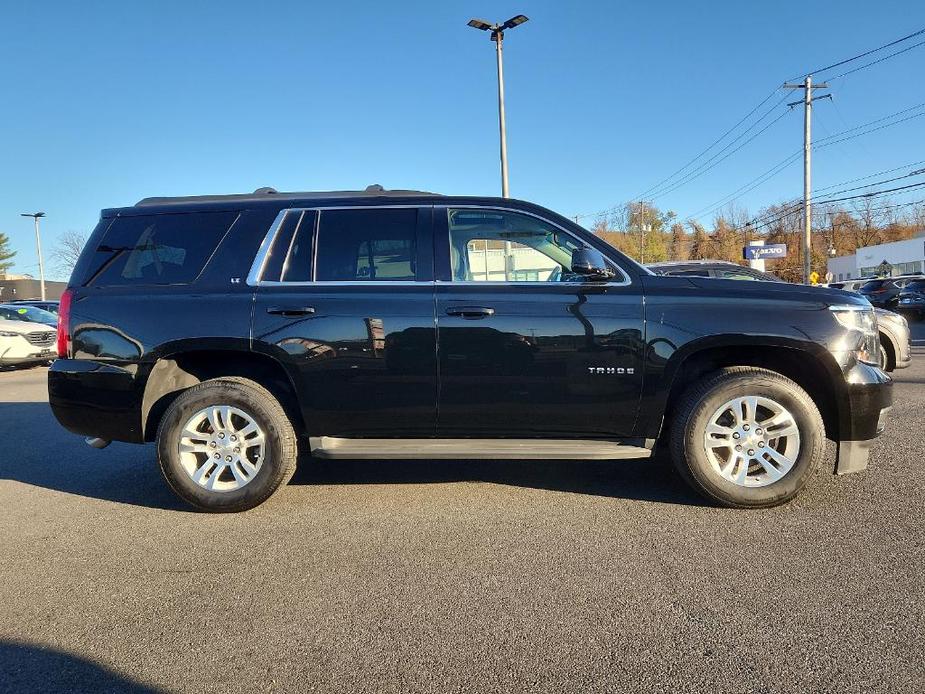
(374, 190)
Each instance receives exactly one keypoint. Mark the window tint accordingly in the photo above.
(298, 265)
(499, 246)
(290, 256)
(366, 245)
(158, 249)
(273, 268)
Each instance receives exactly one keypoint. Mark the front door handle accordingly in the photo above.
(291, 311)
(470, 312)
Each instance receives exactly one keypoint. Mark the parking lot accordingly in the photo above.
(459, 576)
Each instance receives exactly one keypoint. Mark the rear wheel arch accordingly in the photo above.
(173, 374)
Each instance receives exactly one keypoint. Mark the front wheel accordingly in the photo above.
(747, 437)
(226, 445)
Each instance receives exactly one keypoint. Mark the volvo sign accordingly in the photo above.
(766, 252)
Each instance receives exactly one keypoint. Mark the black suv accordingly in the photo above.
(236, 330)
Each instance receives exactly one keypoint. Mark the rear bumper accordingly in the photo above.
(97, 399)
(869, 399)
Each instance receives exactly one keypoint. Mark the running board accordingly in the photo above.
(483, 449)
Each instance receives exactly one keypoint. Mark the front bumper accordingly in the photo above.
(869, 397)
(39, 356)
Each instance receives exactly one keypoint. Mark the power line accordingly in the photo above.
(828, 143)
(833, 139)
(751, 185)
(669, 184)
(880, 60)
(878, 173)
(859, 56)
(709, 147)
(878, 208)
(714, 162)
(779, 215)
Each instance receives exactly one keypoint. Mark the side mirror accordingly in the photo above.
(590, 263)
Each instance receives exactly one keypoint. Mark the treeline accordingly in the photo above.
(646, 233)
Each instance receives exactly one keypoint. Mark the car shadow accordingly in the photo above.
(40, 452)
(43, 454)
(27, 668)
(648, 479)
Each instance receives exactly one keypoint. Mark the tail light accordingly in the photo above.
(64, 323)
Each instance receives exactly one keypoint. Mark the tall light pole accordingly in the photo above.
(38, 246)
(497, 35)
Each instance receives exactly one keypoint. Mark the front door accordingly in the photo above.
(526, 348)
(345, 302)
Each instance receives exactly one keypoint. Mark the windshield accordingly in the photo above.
(916, 286)
(872, 285)
(28, 314)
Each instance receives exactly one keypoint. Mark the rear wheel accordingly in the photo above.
(747, 437)
(226, 445)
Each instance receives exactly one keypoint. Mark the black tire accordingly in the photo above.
(698, 404)
(280, 451)
(884, 359)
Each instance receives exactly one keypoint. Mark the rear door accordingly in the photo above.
(345, 301)
(526, 349)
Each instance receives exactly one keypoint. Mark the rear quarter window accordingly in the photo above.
(158, 248)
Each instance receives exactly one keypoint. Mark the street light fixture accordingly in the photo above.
(38, 247)
(497, 35)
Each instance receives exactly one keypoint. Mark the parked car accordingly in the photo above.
(850, 285)
(911, 300)
(721, 269)
(884, 292)
(235, 330)
(27, 314)
(50, 306)
(26, 336)
(895, 338)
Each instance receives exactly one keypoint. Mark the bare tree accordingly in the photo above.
(67, 251)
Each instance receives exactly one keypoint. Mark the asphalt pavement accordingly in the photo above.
(454, 576)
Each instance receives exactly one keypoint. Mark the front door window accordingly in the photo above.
(502, 246)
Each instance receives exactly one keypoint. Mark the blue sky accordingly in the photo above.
(108, 102)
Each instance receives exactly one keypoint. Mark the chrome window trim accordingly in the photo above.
(350, 283)
(626, 281)
(260, 260)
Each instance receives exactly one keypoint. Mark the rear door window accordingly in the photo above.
(366, 245)
(158, 248)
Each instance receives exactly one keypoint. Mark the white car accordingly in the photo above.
(27, 335)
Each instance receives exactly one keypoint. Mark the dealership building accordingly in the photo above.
(905, 257)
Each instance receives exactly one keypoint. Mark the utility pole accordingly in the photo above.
(807, 102)
(38, 247)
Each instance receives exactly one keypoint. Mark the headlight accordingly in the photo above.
(862, 321)
(5, 333)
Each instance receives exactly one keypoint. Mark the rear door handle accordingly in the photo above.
(291, 311)
(470, 312)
